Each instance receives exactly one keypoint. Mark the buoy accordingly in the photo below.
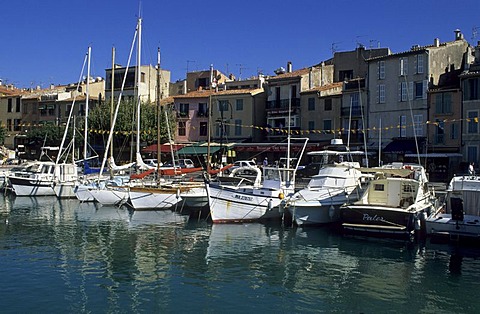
(281, 196)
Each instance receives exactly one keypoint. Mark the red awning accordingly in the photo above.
(164, 148)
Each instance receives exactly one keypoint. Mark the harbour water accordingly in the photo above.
(60, 256)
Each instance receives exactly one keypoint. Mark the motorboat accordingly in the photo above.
(396, 202)
(460, 217)
(33, 179)
(319, 202)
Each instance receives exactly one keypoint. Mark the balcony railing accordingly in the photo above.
(183, 115)
(202, 114)
(282, 104)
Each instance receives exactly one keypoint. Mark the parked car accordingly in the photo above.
(243, 163)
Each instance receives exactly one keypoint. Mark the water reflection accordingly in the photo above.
(109, 259)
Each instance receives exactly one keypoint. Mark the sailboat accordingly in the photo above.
(113, 191)
(66, 173)
(49, 178)
(244, 201)
(143, 196)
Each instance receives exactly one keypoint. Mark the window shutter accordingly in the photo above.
(425, 89)
(378, 94)
(410, 90)
(399, 91)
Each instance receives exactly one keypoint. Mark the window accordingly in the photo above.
(311, 125)
(327, 125)
(311, 104)
(472, 154)
(440, 132)
(142, 77)
(239, 104)
(472, 122)
(16, 124)
(354, 101)
(443, 103)
(183, 110)
(418, 124)
(24, 109)
(345, 75)
(418, 89)
(182, 128)
(9, 108)
(328, 104)
(454, 131)
(223, 105)
(403, 126)
(17, 105)
(403, 66)
(203, 129)
(419, 63)
(238, 127)
(9, 124)
(379, 187)
(381, 93)
(69, 108)
(381, 70)
(202, 110)
(471, 89)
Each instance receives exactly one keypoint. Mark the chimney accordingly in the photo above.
(289, 67)
(436, 42)
(458, 34)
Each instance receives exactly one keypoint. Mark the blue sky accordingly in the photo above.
(44, 42)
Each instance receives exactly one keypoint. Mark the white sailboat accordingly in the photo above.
(113, 191)
(66, 173)
(248, 201)
(158, 196)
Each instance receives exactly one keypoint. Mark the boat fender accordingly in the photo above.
(281, 208)
(269, 206)
(331, 211)
(417, 223)
(178, 193)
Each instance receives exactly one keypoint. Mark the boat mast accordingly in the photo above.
(112, 103)
(159, 114)
(85, 143)
(139, 48)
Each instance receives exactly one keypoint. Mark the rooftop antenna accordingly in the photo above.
(335, 47)
(241, 67)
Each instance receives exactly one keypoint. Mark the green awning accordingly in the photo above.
(198, 150)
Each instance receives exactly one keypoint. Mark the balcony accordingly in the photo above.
(183, 115)
(280, 106)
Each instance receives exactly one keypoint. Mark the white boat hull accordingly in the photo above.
(229, 204)
(444, 225)
(31, 187)
(65, 190)
(151, 198)
(110, 196)
(195, 197)
(83, 193)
